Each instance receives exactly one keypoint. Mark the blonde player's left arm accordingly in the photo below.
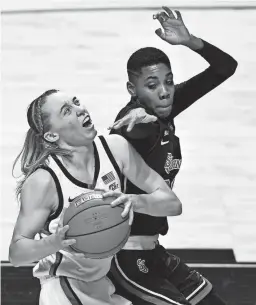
(160, 200)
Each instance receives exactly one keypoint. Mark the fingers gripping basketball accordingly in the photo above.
(124, 200)
(99, 229)
(59, 239)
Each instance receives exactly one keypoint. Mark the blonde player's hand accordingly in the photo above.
(135, 116)
(125, 200)
(58, 240)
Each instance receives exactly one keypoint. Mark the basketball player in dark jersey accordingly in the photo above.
(62, 158)
(145, 272)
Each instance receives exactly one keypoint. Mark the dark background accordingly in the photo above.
(236, 283)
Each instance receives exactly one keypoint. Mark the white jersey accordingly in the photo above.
(107, 177)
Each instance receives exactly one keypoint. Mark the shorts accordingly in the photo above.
(157, 277)
(68, 291)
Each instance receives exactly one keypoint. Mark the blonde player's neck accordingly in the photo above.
(80, 157)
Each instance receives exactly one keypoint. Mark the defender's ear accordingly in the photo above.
(131, 88)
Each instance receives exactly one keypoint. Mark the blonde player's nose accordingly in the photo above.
(80, 111)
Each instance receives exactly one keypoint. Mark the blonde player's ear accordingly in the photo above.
(51, 136)
(131, 88)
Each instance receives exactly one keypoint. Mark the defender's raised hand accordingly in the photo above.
(174, 30)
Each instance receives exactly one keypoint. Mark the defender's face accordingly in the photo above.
(70, 122)
(154, 88)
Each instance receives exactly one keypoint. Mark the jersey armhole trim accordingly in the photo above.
(112, 160)
(55, 265)
(59, 191)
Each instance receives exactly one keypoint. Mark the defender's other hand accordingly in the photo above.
(174, 30)
(135, 116)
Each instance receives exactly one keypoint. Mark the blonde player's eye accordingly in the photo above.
(67, 110)
(77, 102)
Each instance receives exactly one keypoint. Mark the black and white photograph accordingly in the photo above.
(128, 144)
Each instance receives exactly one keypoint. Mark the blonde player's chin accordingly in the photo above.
(90, 130)
(93, 133)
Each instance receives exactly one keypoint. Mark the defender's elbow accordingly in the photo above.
(232, 67)
(229, 69)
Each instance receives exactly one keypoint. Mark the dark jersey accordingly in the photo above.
(157, 143)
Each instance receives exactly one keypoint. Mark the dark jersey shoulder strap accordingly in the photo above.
(59, 191)
(112, 160)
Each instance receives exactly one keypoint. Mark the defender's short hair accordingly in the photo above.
(145, 57)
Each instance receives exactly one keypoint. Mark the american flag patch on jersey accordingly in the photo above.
(108, 178)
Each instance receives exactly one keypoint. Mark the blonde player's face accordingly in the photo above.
(70, 122)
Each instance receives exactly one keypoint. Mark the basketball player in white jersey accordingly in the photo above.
(62, 158)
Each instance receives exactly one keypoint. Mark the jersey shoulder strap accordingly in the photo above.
(112, 160)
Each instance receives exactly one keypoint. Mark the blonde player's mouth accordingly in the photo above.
(87, 122)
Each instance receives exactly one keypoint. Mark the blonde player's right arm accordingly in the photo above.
(38, 200)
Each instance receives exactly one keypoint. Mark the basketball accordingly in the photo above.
(99, 229)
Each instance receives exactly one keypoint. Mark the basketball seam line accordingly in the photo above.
(87, 208)
(97, 231)
(118, 248)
